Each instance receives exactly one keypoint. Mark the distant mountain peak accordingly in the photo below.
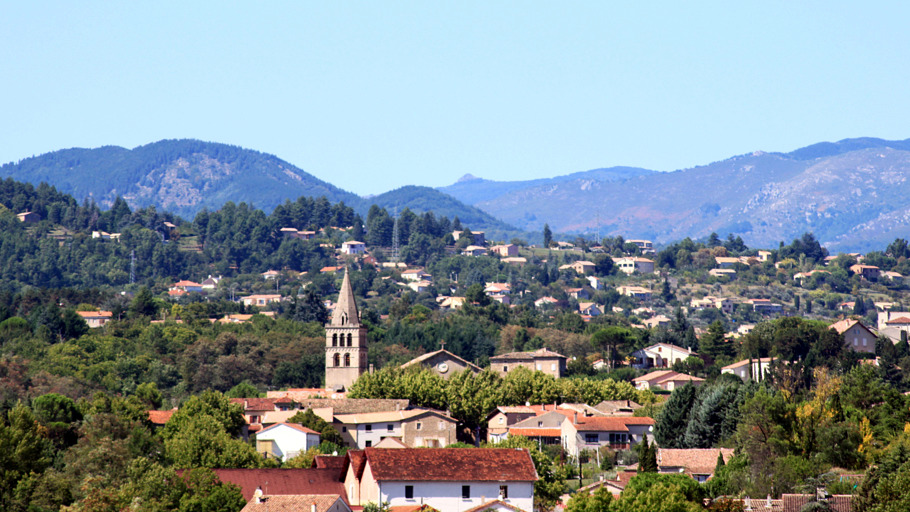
(467, 177)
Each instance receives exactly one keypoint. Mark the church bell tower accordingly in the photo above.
(345, 342)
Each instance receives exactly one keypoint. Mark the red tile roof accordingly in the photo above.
(328, 461)
(255, 404)
(161, 417)
(837, 503)
(447, 464)
(697, 461)
(494, 505)
(535, 432)
(284, 481)
(611, 424)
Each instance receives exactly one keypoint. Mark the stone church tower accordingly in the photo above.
(345, 342)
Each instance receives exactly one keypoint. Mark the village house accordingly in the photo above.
(503, 417)
(589, 309)
(448, 479)
(725, 305)
(856, 335)
(764, 256)
(699, 463)
(95, 318)
(210, 283)
(596, 283)
(260, 300)
(660, 355)
(636, 292)
(413, 427)
(725, 262)
(515, 260)
(297, 502)
(544, 302)
(28, 217)
(892, 276)
(285, 440)
(616, 433)
(749, 369)
(479, 237)
(580, 267)
(420, 286)
(474, 250)
(353, 247)
(500, 292)
(443, 363)
(630, 265)
(186, 286)
(505, 251)
(722, 272)
(656, 321)
(578, 293)
(544, 429)
(416, 274)
(867, 272)
(665, 379)
(764, 306)
(645, 246)
(542, 360)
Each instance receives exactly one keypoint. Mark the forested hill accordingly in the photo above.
(181, 176)
(425, 199)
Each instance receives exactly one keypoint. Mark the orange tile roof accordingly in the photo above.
(535, 432)
(611, 423)
(301, 502)
(699, 461)
(161, 417)
(447, 464)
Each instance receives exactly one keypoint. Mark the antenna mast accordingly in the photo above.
(395, 241)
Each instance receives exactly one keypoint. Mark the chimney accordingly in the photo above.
(371, 368)
(313, 507)
(576, 418)
(258, 495)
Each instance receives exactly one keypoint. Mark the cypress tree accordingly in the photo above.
(673, 419)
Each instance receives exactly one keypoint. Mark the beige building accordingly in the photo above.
(542, 360)
(345, 342)
(443, 363)
(630, 265)
(856, 335)
(414, 427)
(759, 368)
(499, 421)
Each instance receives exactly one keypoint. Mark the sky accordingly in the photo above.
(372, 96)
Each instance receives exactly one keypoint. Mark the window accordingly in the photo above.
(390, 427)
(538, 366)
(465, 492)
(368, 444)
(553, 367)
(442, 425)
(347, 359)
(539, 424)
(503, 492)
(335, 340)
(344, 429)
(591, 438)
(368, 427)
(505, 368)
(350, 339)
(502, 419)
(409, 492)
(337, 359)
(419, 425)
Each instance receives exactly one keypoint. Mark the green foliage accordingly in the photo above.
(647, 457)
(654, 492)
(243, 390)
(327, 432)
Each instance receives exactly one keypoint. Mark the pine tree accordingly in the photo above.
(647, 457)
(674, 417)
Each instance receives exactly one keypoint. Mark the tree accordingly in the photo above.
(547, 235)
(143, 303)
(22, 450)
(326, 431)
(600, 501)
(655, 492)
(243, 390)
(674, 417)
(647, 457)
(713, 343)
(608, 340)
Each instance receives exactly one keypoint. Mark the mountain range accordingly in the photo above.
(853, 194)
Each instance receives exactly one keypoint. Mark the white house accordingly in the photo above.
(353, 247)
(448, 479)
(634, 264)
(660, 355)
(285, 440)
(760, 368)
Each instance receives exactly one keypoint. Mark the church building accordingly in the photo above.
(345, 342)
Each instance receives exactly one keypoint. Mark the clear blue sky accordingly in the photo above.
(375, 95)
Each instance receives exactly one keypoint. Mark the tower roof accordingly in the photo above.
(345, 314)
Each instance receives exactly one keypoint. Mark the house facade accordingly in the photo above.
(759, 368)
(660, 355)
(630, 265)
(414, 428)
(285, 440)
(353, 247)
(542, 360)
(443, 363)
(450, 479)
(856, 335)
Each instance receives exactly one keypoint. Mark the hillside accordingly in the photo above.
(852, 194)
(424, 199)
(182, 176)
(473, 190)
